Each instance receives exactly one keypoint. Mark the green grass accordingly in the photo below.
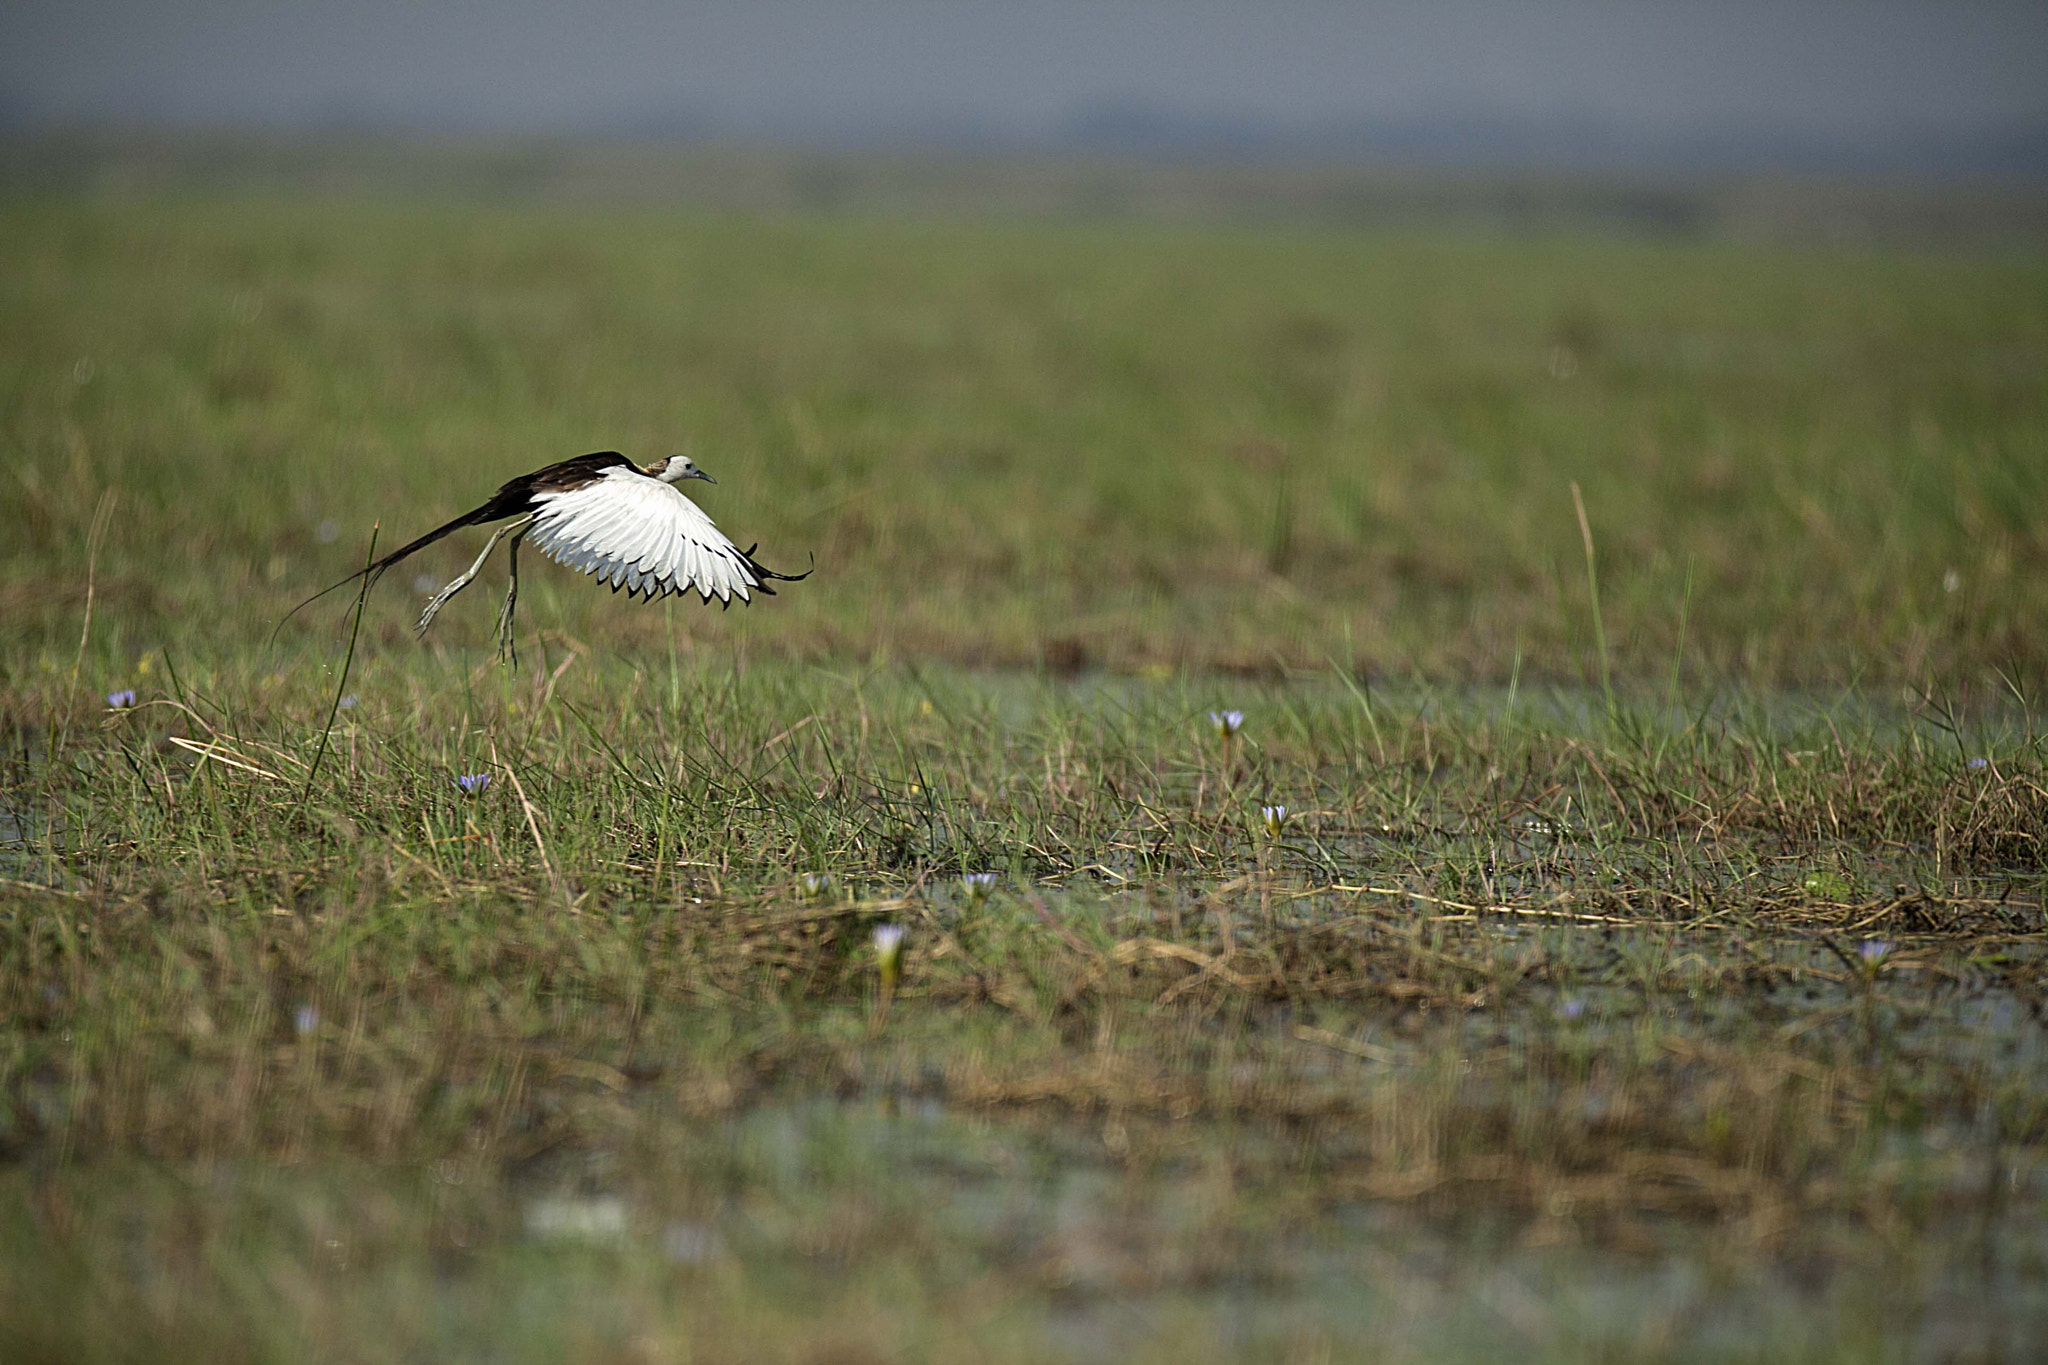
(1694, 1020)
(1145, 446)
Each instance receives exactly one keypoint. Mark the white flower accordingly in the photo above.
(817, 885)
(888, 941)
(1226, 723)
(979, 885)
(1275, 818)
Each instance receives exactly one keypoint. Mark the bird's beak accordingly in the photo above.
(700, 474)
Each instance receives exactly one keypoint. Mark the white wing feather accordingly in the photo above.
(642, 534)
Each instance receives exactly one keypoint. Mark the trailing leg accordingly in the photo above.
(440, 599)
(508, 648)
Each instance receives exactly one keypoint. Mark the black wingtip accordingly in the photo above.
(765, 573)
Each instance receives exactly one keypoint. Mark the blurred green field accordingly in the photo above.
(1456, 1008)
(1007, 444)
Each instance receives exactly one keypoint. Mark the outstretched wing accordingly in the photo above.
(641, 535)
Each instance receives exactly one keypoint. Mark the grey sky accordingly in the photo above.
(1823, 67)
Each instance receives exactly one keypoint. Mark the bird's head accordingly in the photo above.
(677, 468)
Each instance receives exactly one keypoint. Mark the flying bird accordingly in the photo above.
(604, 515)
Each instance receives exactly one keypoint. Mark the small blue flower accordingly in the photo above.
(1873, 950)
(1571, 1009)
(1275, 818)
(1226, 723)
(122, 700)
(1978, 765)
(817, 885)
(305, 1019)
(348, 703)
(473, 784)
(979, 885)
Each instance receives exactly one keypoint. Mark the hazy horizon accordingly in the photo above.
(1561, 80)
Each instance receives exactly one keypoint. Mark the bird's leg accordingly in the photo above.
(440, 599)
(508, 649)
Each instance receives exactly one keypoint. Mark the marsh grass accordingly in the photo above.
(1695, 1017)
(1069, 445)
(1588, 984)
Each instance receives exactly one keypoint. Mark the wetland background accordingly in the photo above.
(1631, 590)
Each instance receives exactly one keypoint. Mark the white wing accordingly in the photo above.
(642, 535)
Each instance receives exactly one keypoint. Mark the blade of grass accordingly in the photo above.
(347, 662)
(1593, 591)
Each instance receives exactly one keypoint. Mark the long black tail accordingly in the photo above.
(494, 510)
(764, 573)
